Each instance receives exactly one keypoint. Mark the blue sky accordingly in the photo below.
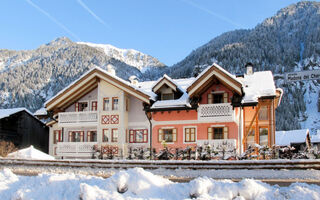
(166, 29)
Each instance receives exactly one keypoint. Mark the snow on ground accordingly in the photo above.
(30, 153)
(139, 184)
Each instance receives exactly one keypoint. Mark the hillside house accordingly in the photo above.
(102, 111)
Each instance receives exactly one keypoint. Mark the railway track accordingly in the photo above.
(187, 164)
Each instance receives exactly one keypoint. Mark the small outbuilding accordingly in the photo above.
(23, 129)
(293, 138)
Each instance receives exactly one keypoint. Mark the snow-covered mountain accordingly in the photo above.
(28, 78)
(286, 42)
(129, 56)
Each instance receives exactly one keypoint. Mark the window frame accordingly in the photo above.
(104, 104)
(225, 132)
(113, 138)
(161, 135)
(185, 134)
(268, 132)
(71, 137)
(60, 136)
(90, 135)
(77, 105)
(171, 96)
(133, 136)
(94, 105)
(113, 103)
(260, 116)
(108, 133)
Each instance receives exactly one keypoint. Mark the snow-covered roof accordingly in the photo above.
(30, 153)
(315, 138)
(183, 101)
(221, 69)
(256, 85)
(7, 112)
(285, 138)
(41, 111)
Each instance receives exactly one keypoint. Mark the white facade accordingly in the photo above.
(79, 130)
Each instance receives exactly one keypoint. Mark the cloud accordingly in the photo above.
(54, 20)
(92, 13)
(213, 13)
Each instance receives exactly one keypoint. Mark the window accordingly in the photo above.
(106, 104)
(76, 136)
(263, 136)
(57, 136)
(217, 133)
(105, 135)
(168, 135)
(92, 136)
(82, 106)
(251, 137)
(114, 137)
(94, 105)
(190, 134)
(218, 98)
(167, 96)
(138, 136)
(263, 113)
(115, 103)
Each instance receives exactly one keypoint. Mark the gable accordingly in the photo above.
(164, 81)
(209, 76)
(87, 83)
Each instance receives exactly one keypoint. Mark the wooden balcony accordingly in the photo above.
(75, 149)
(221, 112)
(78, 118)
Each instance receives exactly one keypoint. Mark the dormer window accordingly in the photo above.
(167, 96)
(218, 98)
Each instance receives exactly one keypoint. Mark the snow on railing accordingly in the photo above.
(218, 112)
(78, 117)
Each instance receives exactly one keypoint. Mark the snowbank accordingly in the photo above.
(139, 184)
(30, 153)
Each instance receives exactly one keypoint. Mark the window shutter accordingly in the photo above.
(54, 137)
(88, 136)
(174, 134)
(210, 98)
(81, 136)
(61, 134)
(77, 107)
(70, 137)
(225, 132)
(160, 135)
(210, 133)
(225, 97)
(131, 136)
(145, 135)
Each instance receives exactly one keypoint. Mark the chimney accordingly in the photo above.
(111, 70)
(133, 80)
(249, 68)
